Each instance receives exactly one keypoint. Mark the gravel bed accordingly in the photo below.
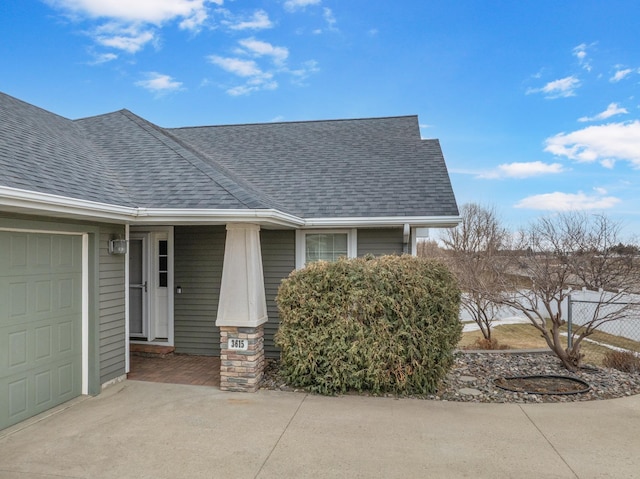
(471, 379)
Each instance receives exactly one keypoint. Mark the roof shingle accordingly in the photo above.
(319, 169)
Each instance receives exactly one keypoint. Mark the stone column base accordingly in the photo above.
(241, 370)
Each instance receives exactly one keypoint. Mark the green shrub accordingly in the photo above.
(387, 324)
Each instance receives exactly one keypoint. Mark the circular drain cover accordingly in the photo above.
(542, 384)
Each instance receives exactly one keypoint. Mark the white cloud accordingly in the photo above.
(562, 88)
(603, 143)
(292, 5)
(260, 48)
(130, 38)
(608, 163)
(237, 66)
(146, 11)
(612, 110)
(580, 52)
(620, 75)
(100, 58)
(195, 21)
(258, 21)
(256, 79)
(307, 69)
(260, 76)
(558, 201)
(523, 170)
(251, 87)
(130, 25)
(329, 18)
(159, 83)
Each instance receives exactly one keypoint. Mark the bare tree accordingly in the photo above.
(471, 251)
(556, 254)
(429, 248)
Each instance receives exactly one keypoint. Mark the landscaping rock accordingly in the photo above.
(605, 383)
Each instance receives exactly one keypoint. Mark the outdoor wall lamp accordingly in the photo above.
(117, 246)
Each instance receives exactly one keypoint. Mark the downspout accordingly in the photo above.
(406, 239)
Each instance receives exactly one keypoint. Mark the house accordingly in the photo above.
(115, 231)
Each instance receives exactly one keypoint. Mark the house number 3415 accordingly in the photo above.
(238, 344)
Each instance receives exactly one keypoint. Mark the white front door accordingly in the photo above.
(151, 285)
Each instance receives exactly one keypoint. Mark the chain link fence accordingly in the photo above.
(617, 318)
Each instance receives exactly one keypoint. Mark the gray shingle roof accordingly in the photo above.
(43, 152)
(340, 168)
(160, 172)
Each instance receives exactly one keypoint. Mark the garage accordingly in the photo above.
(41, 311)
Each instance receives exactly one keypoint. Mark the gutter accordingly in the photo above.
(385, 221)
(17, 200)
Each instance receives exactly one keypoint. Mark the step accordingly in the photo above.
(156, 350)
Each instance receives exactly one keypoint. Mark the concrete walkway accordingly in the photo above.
(154, 430)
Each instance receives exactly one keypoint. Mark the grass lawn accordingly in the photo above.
(525, 336)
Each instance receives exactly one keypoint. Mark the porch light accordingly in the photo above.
(117, 246)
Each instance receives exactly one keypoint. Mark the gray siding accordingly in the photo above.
(199, 254)
(112, 307)
(278, 260)
(379, 242)
(198, 257)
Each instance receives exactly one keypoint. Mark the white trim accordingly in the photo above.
(384, 221)
(171, 287)
(151, 233)
(25, 201)
(66, 207)
(216, 216)
(352, 242)
(85, 314)
(127, 364)
(414, 242)
(45, 232)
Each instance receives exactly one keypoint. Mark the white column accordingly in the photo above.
(242, 298)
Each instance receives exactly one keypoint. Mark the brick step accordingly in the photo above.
(150, 350)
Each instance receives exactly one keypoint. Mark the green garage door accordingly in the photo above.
(40, 323)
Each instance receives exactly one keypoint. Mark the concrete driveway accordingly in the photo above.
(153, 430)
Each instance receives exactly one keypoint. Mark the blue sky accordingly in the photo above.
(535, 102)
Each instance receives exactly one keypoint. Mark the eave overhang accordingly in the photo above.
(384, 222)
(16, 200)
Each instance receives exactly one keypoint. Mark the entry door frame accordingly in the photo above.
(156, 293)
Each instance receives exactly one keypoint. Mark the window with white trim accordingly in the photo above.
(326, 245)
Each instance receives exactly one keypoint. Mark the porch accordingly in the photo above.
(175, 369)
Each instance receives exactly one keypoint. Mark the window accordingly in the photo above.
(327, 245)
(163, 263)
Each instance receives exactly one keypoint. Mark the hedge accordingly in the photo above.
(383, 325)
